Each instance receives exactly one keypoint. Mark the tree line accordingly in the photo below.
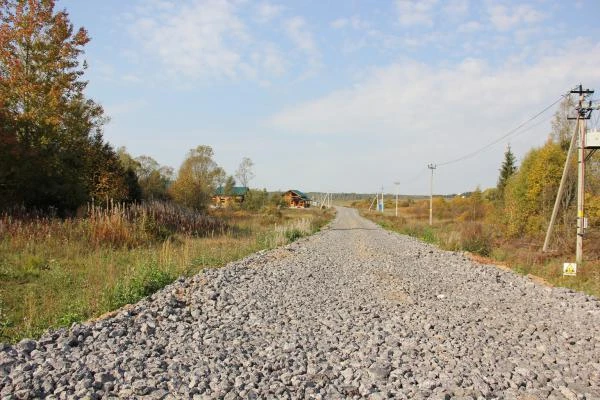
(525, 193)
(52, 151)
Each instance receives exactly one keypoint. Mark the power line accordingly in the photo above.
(501, 138)
(415, 177)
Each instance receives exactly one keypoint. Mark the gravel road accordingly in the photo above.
(353, 311)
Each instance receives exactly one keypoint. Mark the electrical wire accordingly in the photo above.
(506, 135)
(414, 178)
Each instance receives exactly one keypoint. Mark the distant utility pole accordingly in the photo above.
(431, 167)
(397, 192)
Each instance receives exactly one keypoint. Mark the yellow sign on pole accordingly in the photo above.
(569, 269)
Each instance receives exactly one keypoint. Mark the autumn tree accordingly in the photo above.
(51, 133)
(529, 195)
(244, 173)
(198, 177)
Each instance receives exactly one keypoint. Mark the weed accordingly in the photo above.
(428, 235)
(146, 281)
(293, 234)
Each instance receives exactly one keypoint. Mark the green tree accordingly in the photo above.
(154, 179)
(257, 199)
(229, 185)
(130, 165)
(508, 168)
(198, 177)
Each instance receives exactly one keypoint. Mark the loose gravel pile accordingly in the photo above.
(353, 311)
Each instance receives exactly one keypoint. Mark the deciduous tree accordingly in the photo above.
(52, 132)
(244, 173)
(197, 179)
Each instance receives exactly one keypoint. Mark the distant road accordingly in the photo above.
(353, 311)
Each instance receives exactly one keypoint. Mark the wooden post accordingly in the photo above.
(580, 193)
(561, 188)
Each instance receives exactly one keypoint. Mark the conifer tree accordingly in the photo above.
(508, 168)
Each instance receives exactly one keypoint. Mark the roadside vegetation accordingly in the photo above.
(507, 224)
(86, 228)
(56, 271)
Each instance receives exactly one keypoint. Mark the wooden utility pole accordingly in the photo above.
(580, 193)
(431, 167)
(397, 192)
(561, 187)
(583, 113)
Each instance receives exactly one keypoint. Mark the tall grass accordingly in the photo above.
(54, 271)
(464, 228)
(120, 225)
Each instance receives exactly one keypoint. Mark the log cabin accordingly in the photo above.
(296, 199)
(236, 195)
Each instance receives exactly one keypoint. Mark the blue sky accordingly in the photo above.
(341, 95)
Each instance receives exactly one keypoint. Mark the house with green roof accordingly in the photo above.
(296, 199)
(225, 198)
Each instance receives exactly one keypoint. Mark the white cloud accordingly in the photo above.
(354, 22)
(415, 12)
(272, 60)
(505, 18)
(266, 11)
(206, 39)
(121, 109)
(469, 27)
(131, 78)
(438, 113)
(197, 39)
(300, 34)
(339, 23)
(457, 8)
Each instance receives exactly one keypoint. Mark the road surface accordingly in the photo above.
(353, 311)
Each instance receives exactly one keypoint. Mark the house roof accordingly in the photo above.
(235, 191)
(299, 193)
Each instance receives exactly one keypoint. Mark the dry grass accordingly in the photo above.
(456, 230)
(54, 272)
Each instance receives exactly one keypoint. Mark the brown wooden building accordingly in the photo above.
(296, 199)
(237, 195)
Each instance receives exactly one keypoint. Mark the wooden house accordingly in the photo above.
(236, 195)
(296, 199)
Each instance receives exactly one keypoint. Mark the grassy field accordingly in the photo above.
(55, 272)
(476, 235)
